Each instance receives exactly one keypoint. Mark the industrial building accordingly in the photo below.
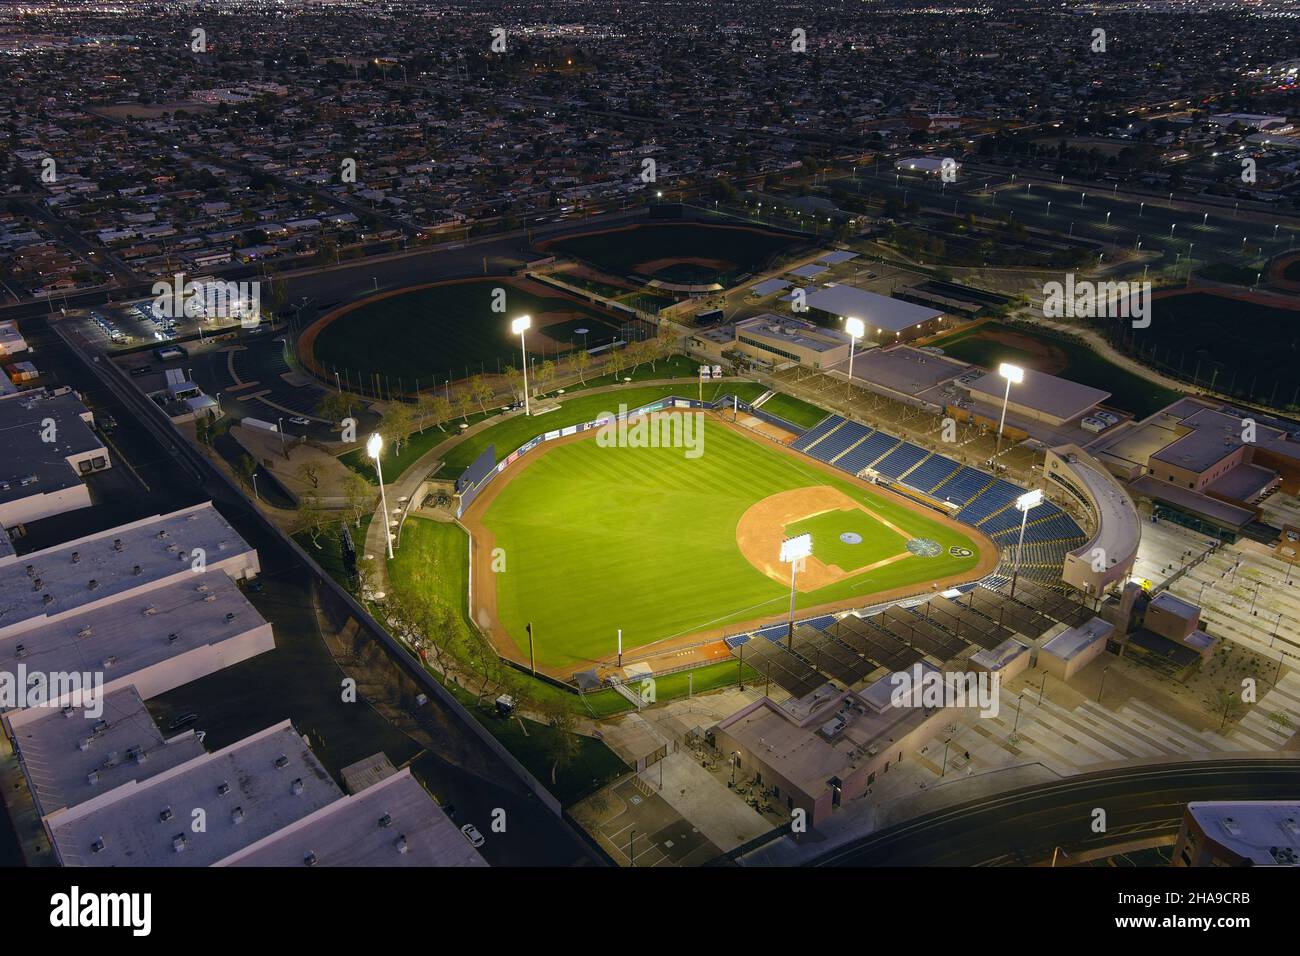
(47, 447)
(390, 823)
(93, 572)
(885, 320)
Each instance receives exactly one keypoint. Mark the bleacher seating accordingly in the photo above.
(930, 472)
(867, 452)
(962, 487)
(839, 440)
(816, 432)
(1001, 493)
(900, 459)
(985, 502)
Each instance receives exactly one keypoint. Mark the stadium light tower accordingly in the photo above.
(854, 328)
(374, 445)
(794, 550)
(519, 326)
(1030, 499)
(1013, 374)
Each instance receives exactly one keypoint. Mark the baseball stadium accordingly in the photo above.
(592, 548)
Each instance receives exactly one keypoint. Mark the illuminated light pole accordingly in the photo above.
(854, 328)
(1026, 502)
(374, 445)
(794, 550)
(519, 326)
(1013, 374)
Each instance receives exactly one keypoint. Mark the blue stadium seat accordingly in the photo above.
(930, 472)
(846, 436)
(900, 459)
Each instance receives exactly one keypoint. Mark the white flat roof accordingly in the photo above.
(1058, 397)
(259, 776)
(161, 548)
(136, 632)
(875, 311)
(1266, 832)
(31, 465)
(70, 756)
(391, 823)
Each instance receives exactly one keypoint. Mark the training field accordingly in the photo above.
(672, 548)
(682, 253)
(448, 329)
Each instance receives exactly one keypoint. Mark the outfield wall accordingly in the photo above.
(474, 486)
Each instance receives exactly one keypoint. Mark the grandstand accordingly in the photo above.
(973, 497)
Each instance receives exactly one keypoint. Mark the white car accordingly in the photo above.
(299, 420)
(471, 833)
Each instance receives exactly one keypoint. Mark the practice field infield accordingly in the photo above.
(673, 550)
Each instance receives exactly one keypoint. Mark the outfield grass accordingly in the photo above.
(446, 330)
(794, 410)
(644, 539)
(1129, 391)
(513, 432)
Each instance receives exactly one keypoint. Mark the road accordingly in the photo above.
(1025, 826)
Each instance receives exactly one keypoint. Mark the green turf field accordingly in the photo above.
(878, 542)
(449, 330)
(643, 539)
(794, 410)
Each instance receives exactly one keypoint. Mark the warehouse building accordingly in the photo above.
(391, 823)
(70, 755)
(246, 792)
(94, 572)
(152, 638)
(47, 447)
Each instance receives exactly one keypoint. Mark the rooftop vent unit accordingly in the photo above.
(230, 617)
(92, 778)
(165, 815)
(20, 650)
(173, 637)
(150, 611)
(36, 584)
(31, 569)
(92, 584)
(162, 533)
(117, 544)
(400, 843)
(223, 789)
(386, 821)
(97, 846)
(68, 711)
(209, 598)
(297, 787)
(237, 816)
(281, 762)
(99, 726)
(136, 569)
(202, 589)
(109, 662)
(179, 843)
(309, 859)
(84, 743)
(47, 599)
(85, 631)
(76, 557)
(137, 754)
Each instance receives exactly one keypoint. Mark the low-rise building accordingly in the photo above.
(47, 446)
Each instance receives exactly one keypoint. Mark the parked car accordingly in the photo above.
(299, 420)
(472, 835)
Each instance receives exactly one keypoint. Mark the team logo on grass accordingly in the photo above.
(960, 552)
(925, 547)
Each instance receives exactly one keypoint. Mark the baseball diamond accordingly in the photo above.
(673, 550)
